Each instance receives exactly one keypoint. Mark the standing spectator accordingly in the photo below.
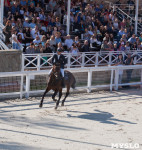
(15, 42)
(120, 62)
(7, 31)
(129, 61)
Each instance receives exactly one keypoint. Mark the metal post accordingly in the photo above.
(68, 17)
(116, 79)
(27, 86)
(89, 81)
(21, 88)
(38, 62)
(136, 16)
(141, 79)
(97, 59)
(83, 60)
(2, 9)
(111, 81)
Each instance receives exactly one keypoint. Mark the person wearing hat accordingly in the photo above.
(59, 58)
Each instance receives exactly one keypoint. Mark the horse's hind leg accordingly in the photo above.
(53, 96)
(67, 93)
(60, 95)
(41, 102)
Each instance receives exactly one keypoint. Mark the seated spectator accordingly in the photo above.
(140, 38)
(30, 49)
(58, 37)
(37, 48)
(37, 40)
(27, 35)
(53, 43)
(47, 48)
(115, 48)
(26, 23)
(68, 42)
(134, 46)
(76, 40)
(54, 32)
(122, 47)
(85, 47)
(132, 39)
(127, 46)
(33, 23)
(120, 33)
(43, 40)
(105, 46)
(35, 32)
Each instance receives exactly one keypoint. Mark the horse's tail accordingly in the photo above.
(73, 84)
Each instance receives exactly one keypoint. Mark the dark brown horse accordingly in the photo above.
(55, 83)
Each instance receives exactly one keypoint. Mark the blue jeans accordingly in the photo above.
(15, 46)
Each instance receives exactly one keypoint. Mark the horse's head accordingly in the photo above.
(56, 70)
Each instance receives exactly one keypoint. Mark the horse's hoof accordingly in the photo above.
(40, 105)
(62, 104)
(56, 108)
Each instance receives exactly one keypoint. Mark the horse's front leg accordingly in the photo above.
(60, 95)
(53, 96)
(67, 93)
(41, 102)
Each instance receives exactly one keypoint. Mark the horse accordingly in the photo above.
(55, 83)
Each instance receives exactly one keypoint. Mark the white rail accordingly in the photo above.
(113, 79)
(94, 59)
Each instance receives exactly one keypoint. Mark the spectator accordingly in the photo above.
(68, 42)
(132, 39)
(129, 61)
(26, 23)
(37, 40)
(105, 46)
(7, 31)
(120, 62)
(85, 47)
(15, 42)
(58, 38)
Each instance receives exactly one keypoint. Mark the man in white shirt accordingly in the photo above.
(68, 42)
(37, 40)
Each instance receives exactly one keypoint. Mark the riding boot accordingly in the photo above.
(63, 82)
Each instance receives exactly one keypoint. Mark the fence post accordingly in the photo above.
(116, 79)
(97, 59)
(109, 63)
(38, 62)
(69, 60)
(27, 85)
(89, 81)
(21, 88)
(23, 62)
(141, 79)
(111, 81)
(83, 60)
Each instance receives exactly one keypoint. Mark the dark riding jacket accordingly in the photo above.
(62, 60)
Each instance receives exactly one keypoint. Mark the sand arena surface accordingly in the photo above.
(87, 122)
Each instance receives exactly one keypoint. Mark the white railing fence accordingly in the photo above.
(89, 59)
(24, 79)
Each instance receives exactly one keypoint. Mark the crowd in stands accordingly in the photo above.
(40, 26)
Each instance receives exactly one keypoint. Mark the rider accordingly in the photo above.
(60, 58)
